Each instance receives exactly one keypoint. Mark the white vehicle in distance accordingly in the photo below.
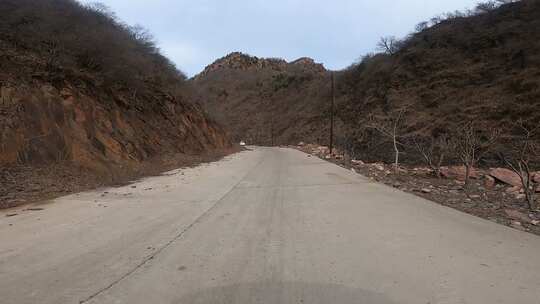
(242, 143)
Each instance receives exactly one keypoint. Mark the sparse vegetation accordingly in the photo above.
(471, 144)
(73, 38)
(80, 91)
(523, 153)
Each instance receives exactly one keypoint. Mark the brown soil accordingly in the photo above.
(32, 184)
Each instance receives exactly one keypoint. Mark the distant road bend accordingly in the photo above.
(270, 225)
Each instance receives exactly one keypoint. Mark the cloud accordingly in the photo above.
(193, 33)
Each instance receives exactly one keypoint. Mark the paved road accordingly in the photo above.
(264, 226)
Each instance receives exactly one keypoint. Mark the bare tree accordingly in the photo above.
(390, 45)
(390, 127)
(422, 26)
(525, 149)
(433, 151)
(471, 144)
(486, 7)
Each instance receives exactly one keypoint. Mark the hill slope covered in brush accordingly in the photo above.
(481, 66)
(266, 101)
(79, 86)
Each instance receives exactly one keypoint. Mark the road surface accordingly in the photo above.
(269, 226)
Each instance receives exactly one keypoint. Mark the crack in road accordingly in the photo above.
(169, 243)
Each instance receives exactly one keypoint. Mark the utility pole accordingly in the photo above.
(332, 114)
(272, 129)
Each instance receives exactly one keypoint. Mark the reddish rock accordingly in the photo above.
(489, 182)
(517, 225)
(458, 172)
(506, 176)
(536, 177)
(514, 189)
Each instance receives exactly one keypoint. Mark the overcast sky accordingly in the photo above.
(194, 33)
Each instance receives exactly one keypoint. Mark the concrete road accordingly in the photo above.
(263, 226)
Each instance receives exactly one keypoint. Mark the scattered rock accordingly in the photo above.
(536, 177)
(519, 216)
(33, 209)
(506, 176)
(357, 162)
(458, 172)
(489, 182)
(426, 190)
(11, 214)
(474, 196)
(517, 225)
(133, 186)
(515, 189)
(396, 185)
(377, 166)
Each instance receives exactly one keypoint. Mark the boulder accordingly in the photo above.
(458, 172)
(506, 176)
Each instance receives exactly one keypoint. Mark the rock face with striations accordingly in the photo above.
(105, 99)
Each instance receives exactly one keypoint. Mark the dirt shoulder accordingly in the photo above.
(21, 185)
(485, 197)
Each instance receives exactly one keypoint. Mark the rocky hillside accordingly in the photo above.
(77, 86)
(265, 101)
(480, 66)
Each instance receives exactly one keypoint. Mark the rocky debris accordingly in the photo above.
(517, 225)
(519, 216)
(489, 182)
(459, 172)
(536, 177)
(321, 151)
(513, 190)
(357, 162)
(506, 176)
(379, 167)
